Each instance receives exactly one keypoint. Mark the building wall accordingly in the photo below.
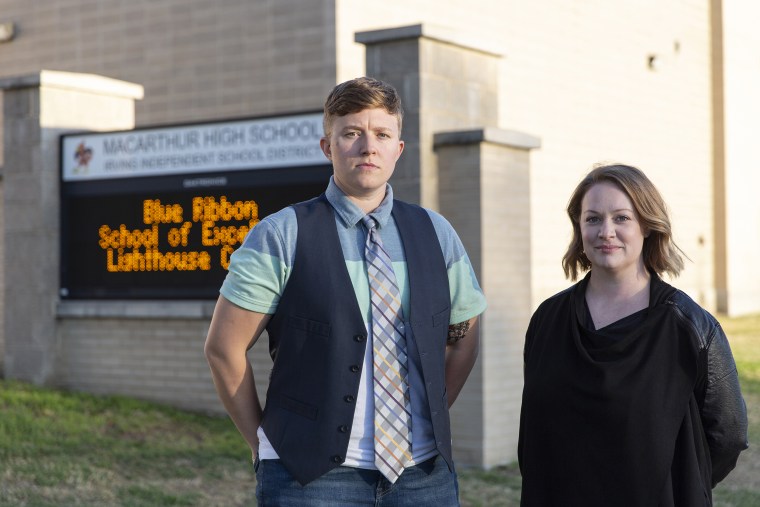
(151, 350)
(476, 179)
(576, 74)
(197, 60)
(149, 358)
(741, 121)
(479, 170)
(37, 109)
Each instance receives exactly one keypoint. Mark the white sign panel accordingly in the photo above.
(286, 141)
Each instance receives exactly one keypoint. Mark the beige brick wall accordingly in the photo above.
(506, 280)
(198, 60)
(476, 178)
(741, 116)
(37, 109)
(151, 350)
(160, 360)
(575, 74)
(591, 96)
(460, 183)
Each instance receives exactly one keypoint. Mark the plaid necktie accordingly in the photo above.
(393, 433)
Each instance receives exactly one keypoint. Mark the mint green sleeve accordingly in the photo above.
(467, 298)
(260, 267)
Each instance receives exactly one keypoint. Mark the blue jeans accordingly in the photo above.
(429, 483)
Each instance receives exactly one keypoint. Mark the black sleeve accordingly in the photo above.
(529, 337)
(723, 411)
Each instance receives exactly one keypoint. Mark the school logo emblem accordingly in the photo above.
(82, 155)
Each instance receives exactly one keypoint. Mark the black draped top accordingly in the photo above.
(611, 417)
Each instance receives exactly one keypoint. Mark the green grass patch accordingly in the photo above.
(736, 498)
(72, 449)
(744, 337)
(141, 496)
(499, 486)
(62, 448)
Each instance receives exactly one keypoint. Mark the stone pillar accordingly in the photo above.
(484, 186)
(445, 83)
(38, 108)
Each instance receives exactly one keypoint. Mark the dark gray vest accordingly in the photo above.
(317, 339)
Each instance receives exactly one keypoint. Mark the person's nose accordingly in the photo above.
(607, 229)
(369, 145)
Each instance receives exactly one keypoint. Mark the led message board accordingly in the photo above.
(156, 213)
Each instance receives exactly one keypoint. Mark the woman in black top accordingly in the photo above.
(631, 394)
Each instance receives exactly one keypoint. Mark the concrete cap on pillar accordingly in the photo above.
(91, 83)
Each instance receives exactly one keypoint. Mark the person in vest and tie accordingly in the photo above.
(371, 307)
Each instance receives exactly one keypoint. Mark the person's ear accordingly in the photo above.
(324, 143)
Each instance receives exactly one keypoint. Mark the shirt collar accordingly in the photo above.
(350, 213)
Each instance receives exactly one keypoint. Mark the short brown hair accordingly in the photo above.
(660, 252)
(360, 94)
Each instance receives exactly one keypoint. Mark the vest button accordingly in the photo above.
(343, 428)
(337, 459)
(349, 398)
(359, 338)
(354, 368)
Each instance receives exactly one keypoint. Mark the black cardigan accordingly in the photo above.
(654, 417)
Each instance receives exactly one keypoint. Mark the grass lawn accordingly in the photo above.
(72, 449)
(65, 449)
